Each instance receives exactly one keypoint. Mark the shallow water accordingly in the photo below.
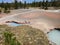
(14, 24)
(54, 36)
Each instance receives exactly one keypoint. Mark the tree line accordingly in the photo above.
(16, 5)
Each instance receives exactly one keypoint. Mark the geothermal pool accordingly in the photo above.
(14, 24)
(54, 36)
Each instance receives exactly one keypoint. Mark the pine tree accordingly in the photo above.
(24, 4)
(5, 8)
(34, 3)
(43, 3)
(46, 5)
(20, 4)
(40, 4)
(16, 4)
(0, 11)
(2, 4)
(51, 3)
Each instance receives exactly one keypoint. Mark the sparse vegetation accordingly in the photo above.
(7, 11)
(10, 39)
(23, 35)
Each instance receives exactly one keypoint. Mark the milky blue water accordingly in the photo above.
(14, 24)
(54, 36)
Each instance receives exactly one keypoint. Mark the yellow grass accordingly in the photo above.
(27, 35)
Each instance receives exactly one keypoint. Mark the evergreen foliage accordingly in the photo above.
(10, 39)
(16, 5)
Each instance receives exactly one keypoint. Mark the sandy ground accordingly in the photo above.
(40, 19)
(12, 12)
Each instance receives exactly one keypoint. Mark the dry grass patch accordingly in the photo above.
(27, 35)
